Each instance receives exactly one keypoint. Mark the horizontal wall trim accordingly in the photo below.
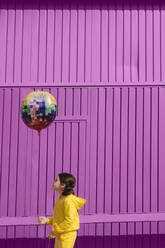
(83, 85)
(87, 219)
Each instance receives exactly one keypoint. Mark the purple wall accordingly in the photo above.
(109, 133)
(81, 43)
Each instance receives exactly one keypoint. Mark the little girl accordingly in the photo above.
(65, 220)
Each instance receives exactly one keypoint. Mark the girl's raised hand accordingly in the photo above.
(42, 220)
(51, 235)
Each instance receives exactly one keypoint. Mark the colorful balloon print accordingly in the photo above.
(38, 110)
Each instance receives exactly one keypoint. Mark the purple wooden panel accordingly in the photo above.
(149, 44)
(142, 40)
(134, 44)
(104, 57)
(58, 45)
(154, 154)
(146, 157)
(10, 45)
(26, 44)
(42, 56)
(102, 44)
(18, 44)
(13, 152)
(34, 71)
(109, 105)
(2, 95)
(93, 156)
(124, 151)
(139, 156)
(100, 166)
(156, 43)
(161, 133)
(95, 49)
(88, 42)
(21, 167)
(74, 151)
(81, 166)
(127, 42)
(73, 45)
(131, 155)
(119, 44)
(66, 145)
(6, 162)
(69, 102)
(112, 43)
(81, 45)
(50, 45)
(162, 42)
(3, 43)
(65, 44)
(77, 104)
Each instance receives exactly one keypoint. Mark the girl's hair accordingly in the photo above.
(69, 181)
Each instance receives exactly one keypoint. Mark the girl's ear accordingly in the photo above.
(63, 186)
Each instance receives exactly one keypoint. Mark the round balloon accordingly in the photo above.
(38, 110)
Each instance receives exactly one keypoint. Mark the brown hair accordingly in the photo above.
(69, 181)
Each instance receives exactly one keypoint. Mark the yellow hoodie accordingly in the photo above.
(65, 216)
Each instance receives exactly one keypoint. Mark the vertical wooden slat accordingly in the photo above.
(100, 159)
(66, 146)
(112, 44)
(134, 44)
(13, 158)
(73, 45)
(142, 49)
(104, 45)
(21, 162)
(127, 43)
(154, 155)
(26, 52)
(58, 45)
(93, 155)
(3, 42)
(81, 167)
(42, 57)
(146, 157)
(156, 43)
(162, 42)
(65, 44)
(50, 45)
(35, 41)
(80, 43)
(88, 43)
(74, 152)
(161, 135)
(10, 43)
(149, 44)
(123, 159)
(108, 154)
(119, 43)
(95, 49)
(131, 155)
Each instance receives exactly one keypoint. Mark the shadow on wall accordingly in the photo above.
(87, 4)
(129, 241)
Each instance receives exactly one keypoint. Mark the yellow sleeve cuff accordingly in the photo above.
(49, 222)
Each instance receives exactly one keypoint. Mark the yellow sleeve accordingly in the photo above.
(68, 224)
(50, 221)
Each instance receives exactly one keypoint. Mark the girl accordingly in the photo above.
(65, 220)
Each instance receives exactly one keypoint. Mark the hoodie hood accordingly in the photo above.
(78, 201)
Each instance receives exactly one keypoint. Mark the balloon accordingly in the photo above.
(38, 110)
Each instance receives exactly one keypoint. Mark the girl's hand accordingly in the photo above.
(51, 235)
(42, 220)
